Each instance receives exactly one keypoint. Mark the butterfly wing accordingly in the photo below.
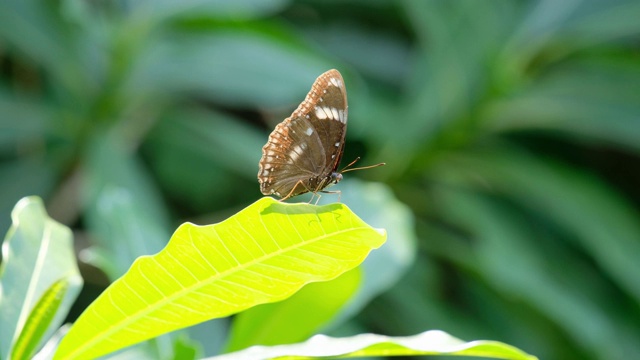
(328, 115)
(292, 156)
(306, 148)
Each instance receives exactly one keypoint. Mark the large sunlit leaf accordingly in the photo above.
(427, 343)
(39, 278)
(265, 253)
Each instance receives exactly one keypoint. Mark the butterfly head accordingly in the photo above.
(335, 178)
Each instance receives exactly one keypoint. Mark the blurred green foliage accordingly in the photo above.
(511, 129)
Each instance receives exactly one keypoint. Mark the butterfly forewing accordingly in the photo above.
(306, 148)
(326, 109)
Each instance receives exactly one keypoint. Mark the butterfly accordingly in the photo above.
(303, 152)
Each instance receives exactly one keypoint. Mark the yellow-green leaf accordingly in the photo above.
(263, 254)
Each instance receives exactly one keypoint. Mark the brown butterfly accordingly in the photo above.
(304, 151)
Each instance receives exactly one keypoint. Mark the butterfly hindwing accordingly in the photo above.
(292, 155)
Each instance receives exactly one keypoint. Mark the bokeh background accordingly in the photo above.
(510, 129)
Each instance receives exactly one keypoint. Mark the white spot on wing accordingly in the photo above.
(309, 131)
(335, 82)
(336, 116)
(294, 156)
(323, 112)
(342, 116)
(296, 152)
(336, 144)
(320, 113)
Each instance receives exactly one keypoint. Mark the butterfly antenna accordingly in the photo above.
(346, 168)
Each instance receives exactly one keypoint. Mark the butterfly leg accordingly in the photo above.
(318, 190)
(333, 192)
(294, 187)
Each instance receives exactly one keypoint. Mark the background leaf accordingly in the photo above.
(123, 209)
(426, 343)
(39, 320)
(38, 261)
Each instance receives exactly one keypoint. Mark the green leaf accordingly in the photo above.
(218, 64)
(39, 320)
(124, 210)
(449, 74)
(427, 343)
(386, 56)
(376, 204)
(48, 43)
(38, 265)
(318, 303)
(594, 100)
(510, 255)
(601, 22)
(204, 137)
(21, 121)
(235, 10)
(36, 177)
(263, 254)
(209, 135)
(185, 349)
(605, 225)
(296, 318)
(210, 335)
